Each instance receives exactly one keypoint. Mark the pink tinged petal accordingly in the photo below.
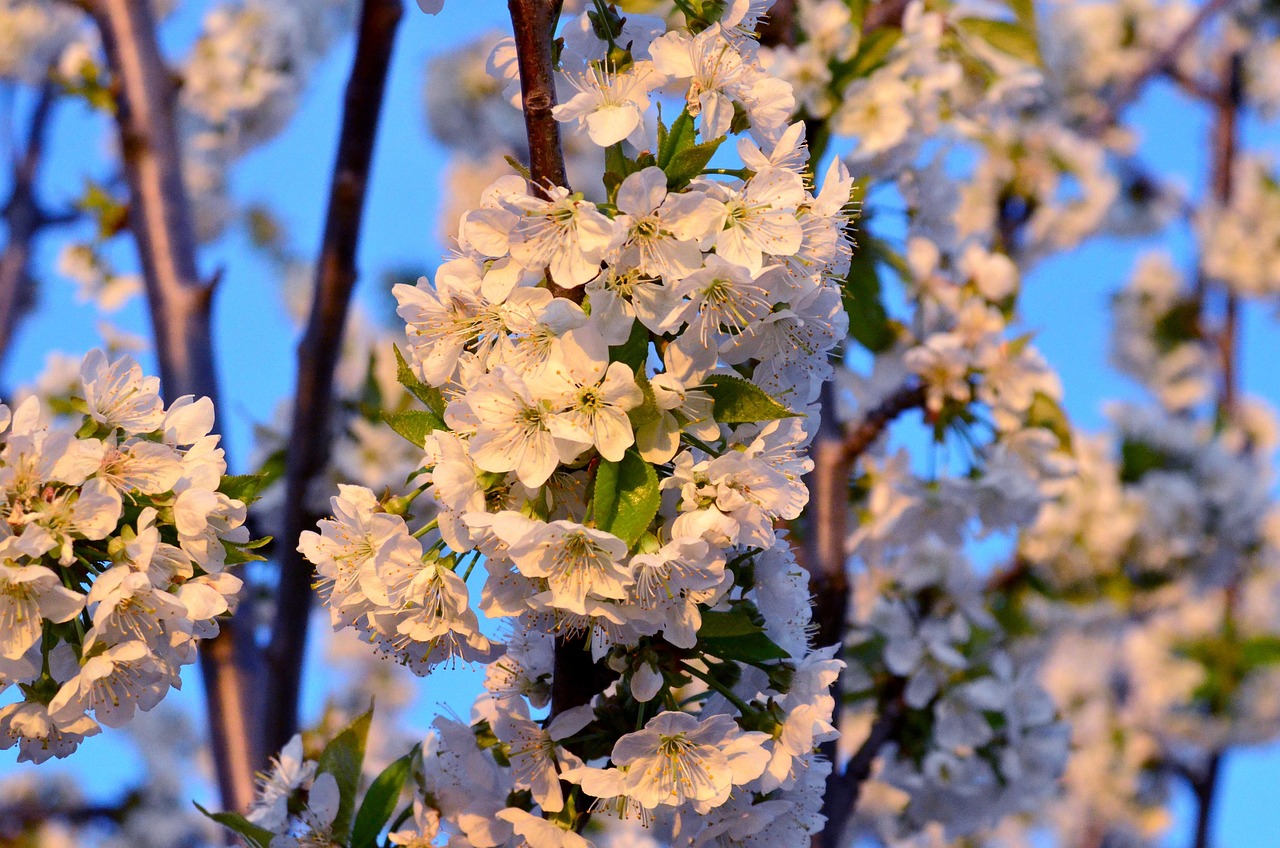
(646, 683)
(642, 192)
(324, 798)
(717, 114)
(188, 420)
(97, 511)
(609, 125)
(192, 509)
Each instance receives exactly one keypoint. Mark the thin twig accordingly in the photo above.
(310, 433)
(180, 301)
(533, 24)
(1226, 133)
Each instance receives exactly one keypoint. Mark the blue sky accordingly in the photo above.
(292, 174)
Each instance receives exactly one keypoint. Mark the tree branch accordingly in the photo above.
(180, 316)
(825, 532)
(884, 13)
(1225, 143)
(1205, 789)
(844, 786)
(1162, 62)
(858, 440)
(834, 454)
(533, 24)
(575, 678)
(24, 219)
(310, 437)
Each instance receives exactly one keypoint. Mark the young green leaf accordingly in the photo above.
(1006, 36)
(681, 136)
(648, 411)
(717, 624)
(688, 163)
(733, 635)
(237, 553)
(258, 837)
(245, 487)
(868, 321)
(873, 49)
(738, 401)
(635, 350)
(427, 394)
(1047, 413)
(625, 497)
(414, 424)
(344, 759)
(380, 801)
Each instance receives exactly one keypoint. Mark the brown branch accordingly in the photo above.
(1226, 132)
(17, 818)
(310, 433)
(1205, 789)
(858, 440)
(834, 454)
(884, 13)
(825, 533)
(160, 217)
(24, 219)
(844, 786)
(1163, 61)
(575, 678)
(533, 23)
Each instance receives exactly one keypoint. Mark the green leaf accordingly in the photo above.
(241, 553)
(344, 759)
(1006, 36)
(519, 167)
(688, 163)
(617, 167)
(1047, 413)
(380, 801)
(1025, 11)
(738, 401)
(1137, 459)
(868, 321)
(429, 395)
(414, 424)
(256, 836)
(635, 350)
(718, 624)
(625, 497)
(681, 136)
(1179, 325)
(648, 411)
(1260, 651)
(249, 487)
(873, 49)
(752, 648)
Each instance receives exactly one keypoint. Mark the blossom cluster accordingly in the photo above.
(118, 528)
(618, 399)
